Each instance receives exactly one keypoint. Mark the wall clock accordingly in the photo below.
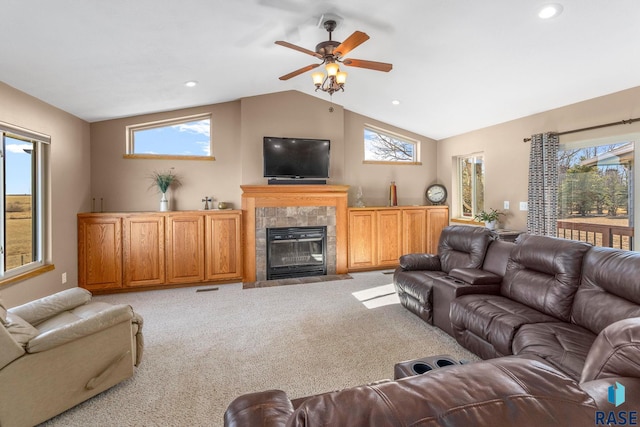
(436, 194)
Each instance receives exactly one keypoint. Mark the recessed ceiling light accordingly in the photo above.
(395, 102)
(191, 83)
(549, 11)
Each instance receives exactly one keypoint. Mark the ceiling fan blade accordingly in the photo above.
(372, 65)
(298, 48)
(300, 71)
(352, 42)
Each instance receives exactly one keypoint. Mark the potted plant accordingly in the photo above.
(163, 181)
(490, 218)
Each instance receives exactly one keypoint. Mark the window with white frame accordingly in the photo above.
(470, 185)
(184, 137)
(381, 146)
(22, 227)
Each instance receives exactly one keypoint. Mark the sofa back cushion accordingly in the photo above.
(463, 246)
(544, 273)
(609, 289)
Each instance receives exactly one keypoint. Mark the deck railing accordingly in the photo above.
(612, 236)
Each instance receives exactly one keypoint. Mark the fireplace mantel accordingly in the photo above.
(280, 196)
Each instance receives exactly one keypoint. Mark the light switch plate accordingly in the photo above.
(506, 204)
(524, 206)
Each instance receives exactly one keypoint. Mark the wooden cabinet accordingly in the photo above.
(100, 252)
(143, 256)
(389, 236)
(362, 241)
(185, 248)
(126, 251)
(223, 247)
(379, 236)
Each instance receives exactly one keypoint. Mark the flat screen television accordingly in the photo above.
(296, 157)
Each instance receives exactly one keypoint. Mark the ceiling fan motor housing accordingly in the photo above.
(326, 48)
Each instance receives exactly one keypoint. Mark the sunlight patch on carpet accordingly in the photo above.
(378, 296)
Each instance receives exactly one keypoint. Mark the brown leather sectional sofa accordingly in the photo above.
(559, 321)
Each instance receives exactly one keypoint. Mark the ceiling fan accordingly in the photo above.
(332, 53)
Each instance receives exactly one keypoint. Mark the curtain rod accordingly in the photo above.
(622, 122)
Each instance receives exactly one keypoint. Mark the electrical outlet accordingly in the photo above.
(506, 204)
(64, 278)
(524, 206)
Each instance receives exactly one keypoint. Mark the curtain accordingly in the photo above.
(542, 215)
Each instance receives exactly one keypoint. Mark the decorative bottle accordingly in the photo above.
(393, 194)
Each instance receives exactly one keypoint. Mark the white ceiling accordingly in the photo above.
(458, 65)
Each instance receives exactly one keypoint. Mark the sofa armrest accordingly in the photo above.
(270, 408)
(413, 262)
(102, 320)
(615, 352)
(10, 350)
(45, 308)
(475, 276)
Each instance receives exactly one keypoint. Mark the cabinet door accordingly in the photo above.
(437, 219)
(414, 231)
(362, 239)
(144, 250)
(100, 253)
(389, 233)
(223, 246)
(185, 248)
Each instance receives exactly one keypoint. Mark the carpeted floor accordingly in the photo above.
(203, 349)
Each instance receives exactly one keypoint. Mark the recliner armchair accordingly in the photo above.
(60, 350)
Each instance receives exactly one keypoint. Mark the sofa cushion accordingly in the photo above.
(501, 392)
(563, 345)
(463, 246)
(544, 273)
(609, 290)
(20, 330)
(493, 318)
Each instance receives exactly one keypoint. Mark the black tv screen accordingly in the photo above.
(296, 157)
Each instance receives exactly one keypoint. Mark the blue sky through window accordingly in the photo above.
(18, 166)
(184, 139)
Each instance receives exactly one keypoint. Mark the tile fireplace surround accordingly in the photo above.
(266, 206)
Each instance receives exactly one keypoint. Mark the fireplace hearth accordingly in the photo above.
(296, 252)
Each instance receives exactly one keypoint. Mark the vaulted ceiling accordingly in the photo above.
(458, 65)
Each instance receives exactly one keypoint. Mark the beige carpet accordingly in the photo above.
(205, 348)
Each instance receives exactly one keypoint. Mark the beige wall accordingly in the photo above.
(67, 194)
(411, 180)
(122, 185)
(238, 130)
(507, 156)
(289, 114)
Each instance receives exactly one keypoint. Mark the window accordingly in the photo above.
(22, 201)
(595, 192)
(182, 138)
(471, 185)
(384, 147)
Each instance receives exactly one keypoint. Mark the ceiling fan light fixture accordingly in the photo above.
(318, 78)
(341, 77)
(332, 69)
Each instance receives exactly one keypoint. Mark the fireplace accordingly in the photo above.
(296, 252)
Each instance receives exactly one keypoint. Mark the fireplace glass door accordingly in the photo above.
(296, 252)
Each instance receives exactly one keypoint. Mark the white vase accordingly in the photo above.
(491, 225)
(164, 203)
